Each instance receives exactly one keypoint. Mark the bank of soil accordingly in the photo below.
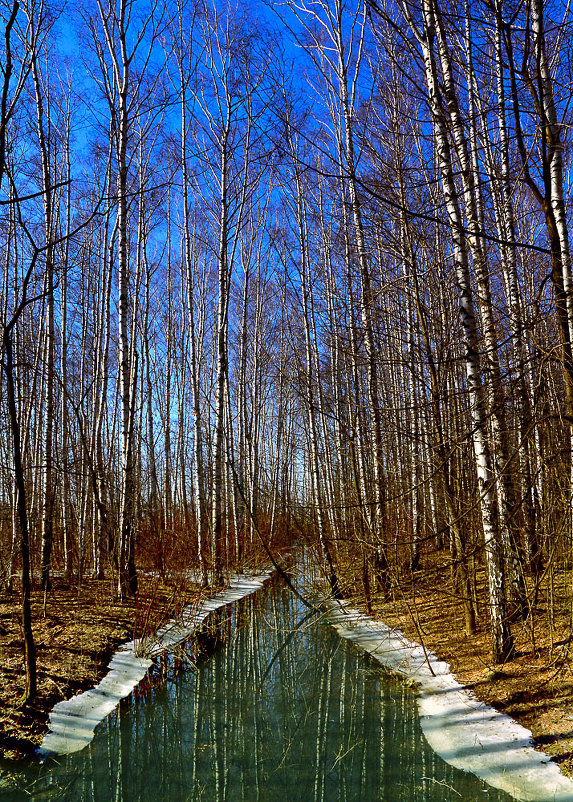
(534, 686)
(75, 639)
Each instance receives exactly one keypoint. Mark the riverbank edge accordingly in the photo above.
(72, 722)
(463, 730)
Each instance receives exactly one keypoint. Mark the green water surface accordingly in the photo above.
(283, 711)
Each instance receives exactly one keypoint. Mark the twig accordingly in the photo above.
(441, 782)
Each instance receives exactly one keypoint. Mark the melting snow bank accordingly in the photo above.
(465, 732)
(73, 721)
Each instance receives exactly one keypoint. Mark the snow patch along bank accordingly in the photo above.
(72, 722)
(465, 732)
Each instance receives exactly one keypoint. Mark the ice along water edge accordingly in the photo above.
(72, 722)
(463, 731)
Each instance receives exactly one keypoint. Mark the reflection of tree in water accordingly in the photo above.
(284, 710)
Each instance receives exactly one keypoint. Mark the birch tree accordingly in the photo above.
(15, 72)
(124, 53)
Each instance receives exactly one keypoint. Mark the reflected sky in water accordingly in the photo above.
(285, 710)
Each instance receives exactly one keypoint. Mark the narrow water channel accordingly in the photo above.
(283, 711)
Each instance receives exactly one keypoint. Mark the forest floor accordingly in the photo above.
(75, 639)
(534, 686)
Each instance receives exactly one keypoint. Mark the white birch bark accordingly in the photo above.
(501, 636)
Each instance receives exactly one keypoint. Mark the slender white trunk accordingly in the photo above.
(501, 636)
